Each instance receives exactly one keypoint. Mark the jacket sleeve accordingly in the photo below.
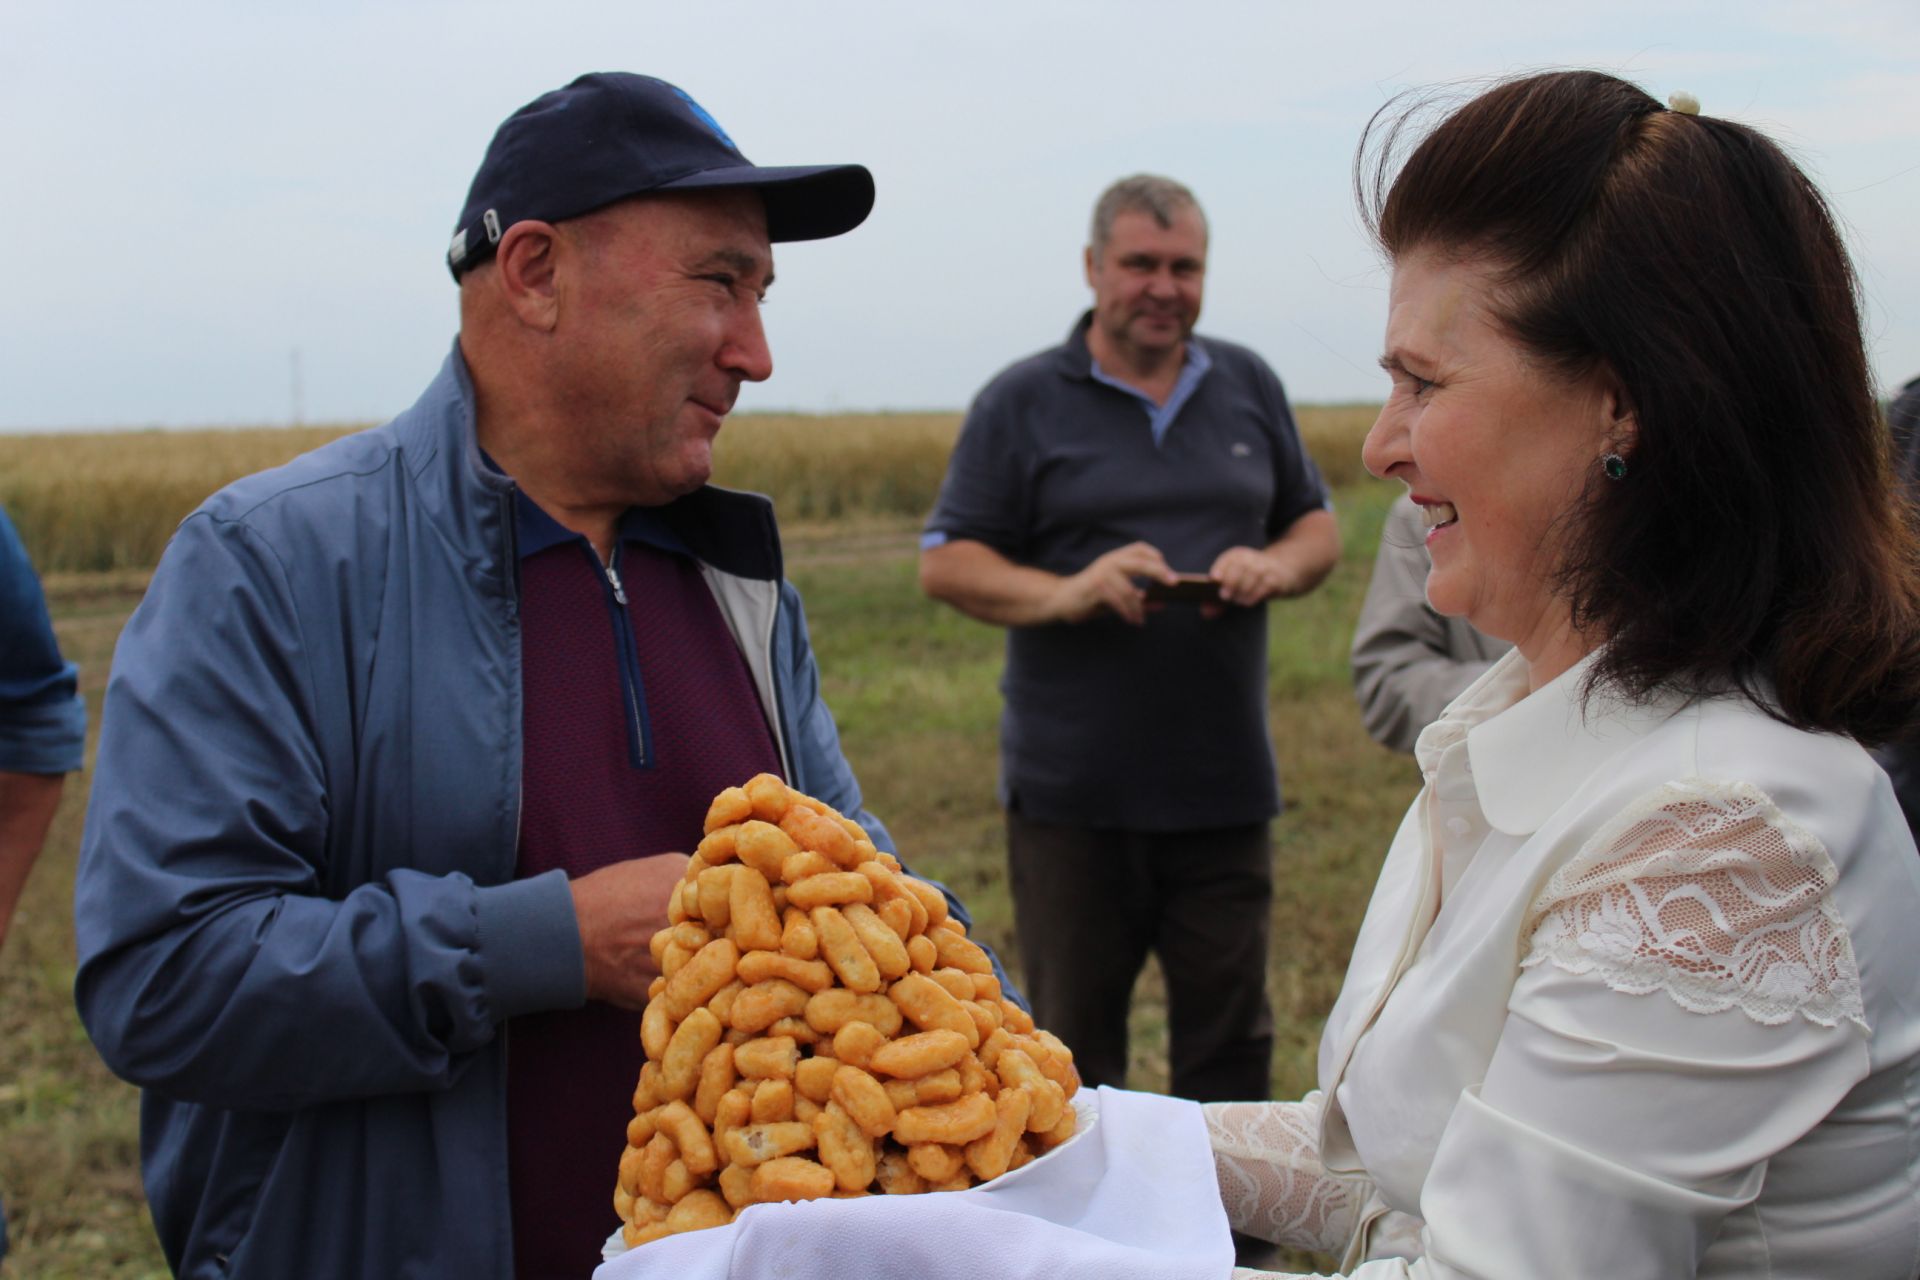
(1405, 672)
(820, 768)
(43, 722)
(214, 965)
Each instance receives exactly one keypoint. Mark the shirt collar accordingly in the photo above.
(536, 530)
(1528, 753)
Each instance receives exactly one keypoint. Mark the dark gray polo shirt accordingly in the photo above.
(1154, 728)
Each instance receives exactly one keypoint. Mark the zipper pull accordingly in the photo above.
(619, 592)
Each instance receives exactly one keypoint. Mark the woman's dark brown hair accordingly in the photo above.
(1755, 541)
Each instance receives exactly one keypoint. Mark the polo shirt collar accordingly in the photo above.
(731, 531)
(1529, 753)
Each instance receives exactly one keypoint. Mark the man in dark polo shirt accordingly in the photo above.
(1136, 769)
(400, 745)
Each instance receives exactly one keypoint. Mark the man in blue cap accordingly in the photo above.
(399, 742)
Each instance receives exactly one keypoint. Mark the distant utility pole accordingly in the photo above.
(299, 408)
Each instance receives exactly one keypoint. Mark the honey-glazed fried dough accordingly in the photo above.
(796, 1028)
(656, 1028)
(755, 924)
(753, 1144)
(714, 891)
(986, 987)
(844, 1148)
(809, 975)
(646, 1093)
(1017, 1071)
(623, 1202)
(960, 1182)
(656, 987)
(630, 1161)
(679, 910)
(806, 863)
(721, 1003)
(690, 1138)
(902, 1093)
(816, 831)
(772, 1102)
(1060, 1132)
(829, 889)
(1018, 1020)
(734, 1110)
(920, 1054)
(921, 951)
(692, 1040)
(677, 1181)
(865, 1099)
(975, 1078)
(654, 1159)
(937, 1087)
(767, 1058)
(897, 914)
(719, 846)
(717, 1076)
(855, 1043)
(930, 898)
(736, 1186)
(710, 969)
(813, 1078)
(936, 1162)
(765, 1003)
(729, 807)
(988, 1156)
(691, 934)
(797, 938)
(804, 1108)
(640, 1129)
(931, 1007)
(955, 982)
(1057, 1062)
(764, 847)
(634, 1236)
(841, 948)
(896, 1176)
(792, 1178)
(770, 797)
(958, 951)
(697, 1211)
(986, 1018)
(829, 1010)
(1022, 1154)
(954, 1123)
(882, 943)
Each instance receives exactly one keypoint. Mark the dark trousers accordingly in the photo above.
(1088, 906)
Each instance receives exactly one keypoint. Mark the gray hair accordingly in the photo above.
(1142, 193)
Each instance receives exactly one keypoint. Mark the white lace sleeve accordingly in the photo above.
(1267, 1156)
(1707, 892)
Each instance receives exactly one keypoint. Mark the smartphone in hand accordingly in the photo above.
(1194, 588)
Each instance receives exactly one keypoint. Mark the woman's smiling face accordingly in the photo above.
(1497, 450)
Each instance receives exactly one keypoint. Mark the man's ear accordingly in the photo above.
(525, 259)
(1086, 258)
(1623, 428)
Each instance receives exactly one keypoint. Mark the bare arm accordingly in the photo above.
(27, 804)
(1291, 565)
(983, 584)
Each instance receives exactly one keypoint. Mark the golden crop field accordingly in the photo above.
(91, 502)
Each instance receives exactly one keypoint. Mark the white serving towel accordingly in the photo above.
(1134, 1197)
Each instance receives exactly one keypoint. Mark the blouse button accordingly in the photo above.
(1459, 826)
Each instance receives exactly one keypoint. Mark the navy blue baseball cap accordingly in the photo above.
(610, 135)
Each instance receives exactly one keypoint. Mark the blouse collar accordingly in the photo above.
(1528, 753)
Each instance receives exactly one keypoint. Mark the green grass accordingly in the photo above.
(914, 688)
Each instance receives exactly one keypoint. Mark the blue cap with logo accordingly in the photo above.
(610, 135)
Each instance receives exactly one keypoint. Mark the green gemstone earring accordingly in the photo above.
(1615, 466)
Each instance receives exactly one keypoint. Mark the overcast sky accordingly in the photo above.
(195, 191)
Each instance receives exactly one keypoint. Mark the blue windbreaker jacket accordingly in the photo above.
(298, 926)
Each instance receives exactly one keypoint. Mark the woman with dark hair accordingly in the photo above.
(1636, 994)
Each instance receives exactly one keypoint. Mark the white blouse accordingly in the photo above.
(1637, 995)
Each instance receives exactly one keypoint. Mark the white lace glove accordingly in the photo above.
(1267, 1156)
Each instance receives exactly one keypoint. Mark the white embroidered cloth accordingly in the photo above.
(1135, 1198)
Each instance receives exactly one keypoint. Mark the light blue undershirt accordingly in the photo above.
(1161, 416)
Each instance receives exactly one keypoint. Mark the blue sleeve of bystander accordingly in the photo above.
(43, 722)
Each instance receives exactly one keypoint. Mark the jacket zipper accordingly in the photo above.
(633, 709)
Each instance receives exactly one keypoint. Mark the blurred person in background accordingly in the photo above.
(43, 730)
(1634, 994)
(1901, 760)
(400, 744)
(1409, 660)
(1137, 773)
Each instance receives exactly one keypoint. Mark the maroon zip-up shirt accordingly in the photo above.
(639, 708)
